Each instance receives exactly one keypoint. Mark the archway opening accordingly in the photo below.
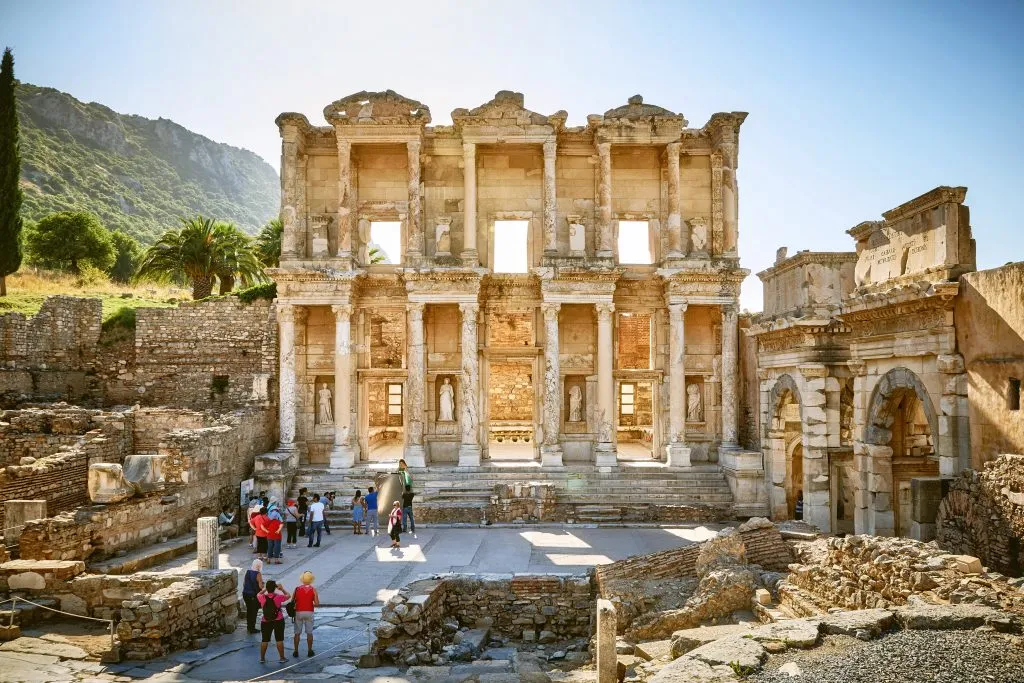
(913, 454)
(789, 419)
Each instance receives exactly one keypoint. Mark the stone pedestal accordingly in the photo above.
(16, 513)
(677, 455)
(607, 659)
(207, 543)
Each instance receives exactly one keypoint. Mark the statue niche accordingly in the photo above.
(446, 422)
(694, 403)
(698, 235)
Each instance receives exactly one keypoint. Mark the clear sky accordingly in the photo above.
(855, 107)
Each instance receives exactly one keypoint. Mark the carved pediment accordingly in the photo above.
(507, 108)
(635, 109)
(376, 107)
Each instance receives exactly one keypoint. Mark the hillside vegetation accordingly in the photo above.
(138, 175)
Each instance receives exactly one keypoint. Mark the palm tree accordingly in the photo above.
(376, 255)
(236, 257)
(268, 243)
(200, 251)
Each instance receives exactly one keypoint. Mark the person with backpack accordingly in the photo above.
(395, 524)
(272, 599)
(306, 600)
(291, 516)
(252, 584)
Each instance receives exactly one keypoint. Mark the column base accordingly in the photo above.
(605, 455)
(469, 456)
(677, 455)
(415, 456)
(342, 457)
(551, 456)
(470, 258)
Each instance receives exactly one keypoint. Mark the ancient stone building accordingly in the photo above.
(551, 293)
(867, 405)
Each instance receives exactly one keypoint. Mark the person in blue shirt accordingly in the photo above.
(371, 512)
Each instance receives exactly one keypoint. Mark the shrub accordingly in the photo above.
(267, 290)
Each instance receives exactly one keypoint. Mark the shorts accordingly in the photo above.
(303, 622)
(276, 627)
(261, 545)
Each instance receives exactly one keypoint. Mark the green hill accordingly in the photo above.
(138, 175)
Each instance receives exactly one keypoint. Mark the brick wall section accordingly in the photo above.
(510, 386)
(983, 515)
(179, 351)
(202, 471)
(63, 441)
(518, 607)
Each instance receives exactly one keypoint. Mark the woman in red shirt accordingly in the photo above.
(306, 599)
(273, 526)
(259, 526)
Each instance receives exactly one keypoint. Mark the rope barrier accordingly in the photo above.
(14, 609)
(303, 661)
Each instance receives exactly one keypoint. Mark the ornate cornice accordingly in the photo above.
(506, 110)
(803, 258)
(940, 195)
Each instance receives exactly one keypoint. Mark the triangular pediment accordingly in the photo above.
(377, 107)
(635, 109)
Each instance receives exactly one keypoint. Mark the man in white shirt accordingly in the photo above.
(316, 521)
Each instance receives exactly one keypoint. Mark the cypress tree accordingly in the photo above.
(10, 174)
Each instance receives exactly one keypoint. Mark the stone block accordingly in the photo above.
(607, 662)
(107, 484)
(967, 564)
(16, 513)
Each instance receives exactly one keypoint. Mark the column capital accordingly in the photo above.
(343, 310)
(550, 310)
(857, 367)
(469, 308)
(290, 313)
(550, 146)
(413, 146)
(603, 148)
(673, 149)
(678, 309)
(812, 370)
(415, 308)
(729, 308)
(604, 310)
(468, 149)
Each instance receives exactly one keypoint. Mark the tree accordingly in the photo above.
(376, 255)
(199, 252)
(126, 257)
(10, 175)
(236, 258)
(68, 241)
(268, 243)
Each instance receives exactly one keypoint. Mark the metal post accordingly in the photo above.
(14, 609)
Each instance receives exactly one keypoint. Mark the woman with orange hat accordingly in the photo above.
(306, 600)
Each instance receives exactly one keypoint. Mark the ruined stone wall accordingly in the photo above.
(202, 470)
(510, 328)
(218, 353)
(45, 453)
(48, 356)
(522, 607)
(511, 391)
(983, 515)
(990, 335)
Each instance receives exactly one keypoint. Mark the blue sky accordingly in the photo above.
(854, 107)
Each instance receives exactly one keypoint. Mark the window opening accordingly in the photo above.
(510, 242)
(635, 242)
(395, 399)
(385, 242)
(627, 394)
(1013, 394)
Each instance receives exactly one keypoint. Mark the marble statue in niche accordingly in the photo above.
(575, 404)
(694, 405)
(446, 403)
(443, 237)
(577, 236)
(698, 235)
(325, 409)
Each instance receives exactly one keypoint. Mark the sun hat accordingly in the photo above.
(307, 577)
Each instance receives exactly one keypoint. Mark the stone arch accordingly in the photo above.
(778, 447)
(877, 431)
(783, 385)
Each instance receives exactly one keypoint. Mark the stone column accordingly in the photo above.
(342, 455)
(550, 200)
(344, 197)
(469, 450)
(551, 448)
(287, 315)
(208, 543)
(729, 350)
(953, 442)
(677, 454)
(415, 247)
(606, 455)
(675, 231)
(816, 486)
(415, 453)
(469, 254)
(290, 143)
(607, 659)
(604, 200)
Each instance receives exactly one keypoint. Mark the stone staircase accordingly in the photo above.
(595, 497)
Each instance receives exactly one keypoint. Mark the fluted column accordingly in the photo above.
(469, 450)
(676, 452)
(342, 455)
(287, 316)
(604, 200)
(550, 200)
(344, 200)
(675, 233)
(469, 255)
(729, 350)
(207, 543)
(415, 248)
(606, 453)
(415, 454)
(551, 449)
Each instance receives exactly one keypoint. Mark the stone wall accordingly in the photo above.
(46, 452)
(202, 469)
(511, 391)
(983, 515)
(48, 356)
(990, 335)
(865, 572)
(217, 353)
(418, 621)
